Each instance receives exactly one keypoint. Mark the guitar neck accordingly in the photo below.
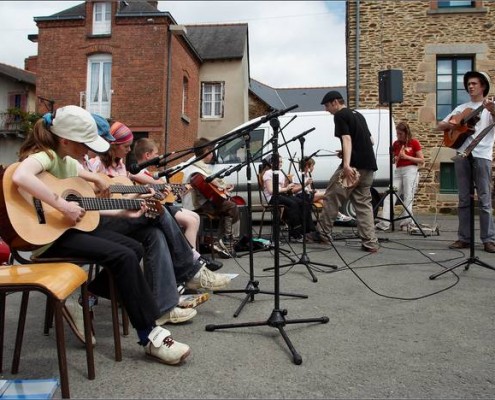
(94, 204)
(142, 189)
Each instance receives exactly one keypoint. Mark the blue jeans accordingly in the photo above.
(168, 257)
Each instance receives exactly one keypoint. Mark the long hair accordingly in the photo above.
(39, 139)
(404, 126)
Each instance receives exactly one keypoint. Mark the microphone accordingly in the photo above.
(216, 175)
(237, 168)
(167, 172)
(302, 134)
(314, 154)
(135, 168)
(278, 113)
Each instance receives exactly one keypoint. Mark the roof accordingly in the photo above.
(126, 9)
(18, 74)
(307, 99)
(223, 41)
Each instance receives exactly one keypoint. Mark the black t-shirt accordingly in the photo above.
(350, 122)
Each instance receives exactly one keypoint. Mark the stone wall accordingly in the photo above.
(410, 35)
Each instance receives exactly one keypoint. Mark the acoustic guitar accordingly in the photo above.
(123, 185)
(39, 223)
(464, 123)
(213, 193)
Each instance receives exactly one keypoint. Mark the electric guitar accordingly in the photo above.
(39, 223)
(213, 193)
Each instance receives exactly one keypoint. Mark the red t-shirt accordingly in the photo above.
(412, 148)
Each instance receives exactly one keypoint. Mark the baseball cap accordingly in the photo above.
(331, 96)
(482, 76)
(77, 124)
(103, 127)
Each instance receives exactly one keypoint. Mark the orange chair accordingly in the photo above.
(57, 281)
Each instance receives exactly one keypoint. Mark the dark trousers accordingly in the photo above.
(293, 211)
(121, 256)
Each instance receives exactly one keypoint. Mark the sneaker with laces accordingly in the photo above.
(73, 313)
(163, 348)
(208, 280)
(177, 316)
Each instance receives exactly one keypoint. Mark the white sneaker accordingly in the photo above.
(163, 348)
(73, 313)
(177, 316)
(208, 280)
(383, 226)
(343, 218)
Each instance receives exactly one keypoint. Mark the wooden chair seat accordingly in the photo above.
(114, 303)
(57, 281)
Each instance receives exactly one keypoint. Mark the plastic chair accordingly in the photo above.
(57, 281)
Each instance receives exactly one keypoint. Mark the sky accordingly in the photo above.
(291, 43)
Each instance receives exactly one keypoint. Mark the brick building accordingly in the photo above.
(128, 61)
(434, 43)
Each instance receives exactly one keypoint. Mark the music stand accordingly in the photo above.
(252, 287)
(391, 189)
(277, 317)
(304, 259)
(472, 259)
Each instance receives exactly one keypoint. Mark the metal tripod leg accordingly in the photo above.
(276, 320)
(251, 289)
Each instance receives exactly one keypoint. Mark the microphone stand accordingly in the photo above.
(277, 317)
(304, 259)
(252, 287)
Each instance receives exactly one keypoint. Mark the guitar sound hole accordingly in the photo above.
(73, 197)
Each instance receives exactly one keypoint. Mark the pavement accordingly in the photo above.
(392, 332)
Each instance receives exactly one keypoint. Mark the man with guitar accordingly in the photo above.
(473, 120)
(210, 197)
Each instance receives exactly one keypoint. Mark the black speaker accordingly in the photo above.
(390, 86)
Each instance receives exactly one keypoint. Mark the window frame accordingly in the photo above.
(454, 81)
(103, 27)
(221, 102)
(100, 106)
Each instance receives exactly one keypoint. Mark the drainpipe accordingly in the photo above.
(358, 35)
(172, 31)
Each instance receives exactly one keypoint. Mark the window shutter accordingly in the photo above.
(202, 99)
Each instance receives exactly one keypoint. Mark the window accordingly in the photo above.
(99, 91)
(212, 99)
(448, 182)
(102, 18)
(455, 3)
(235, 151)
(185, 95)
(450, 85)
(18, 101)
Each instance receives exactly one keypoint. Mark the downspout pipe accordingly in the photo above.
(358, 35)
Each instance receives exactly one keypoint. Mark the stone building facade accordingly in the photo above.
(412, 36)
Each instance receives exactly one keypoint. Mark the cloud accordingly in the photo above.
(291, 43)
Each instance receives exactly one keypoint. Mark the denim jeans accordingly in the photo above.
(168, 257)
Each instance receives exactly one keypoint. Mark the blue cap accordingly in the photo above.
(103, 127)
